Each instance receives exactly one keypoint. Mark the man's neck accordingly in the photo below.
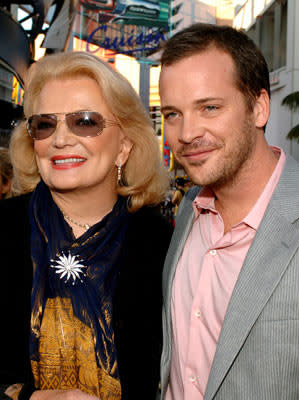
(235, 199)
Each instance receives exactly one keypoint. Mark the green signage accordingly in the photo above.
(153, 13)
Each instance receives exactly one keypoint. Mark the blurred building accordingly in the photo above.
(22, 27)
(218, 12)
(273, 25)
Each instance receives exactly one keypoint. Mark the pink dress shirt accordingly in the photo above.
(204, 281)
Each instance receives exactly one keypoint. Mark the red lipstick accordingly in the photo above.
(67, 161)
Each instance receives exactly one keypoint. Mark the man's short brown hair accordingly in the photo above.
(252, 74)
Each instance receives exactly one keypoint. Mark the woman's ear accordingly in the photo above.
(125, 149)
(262, 109)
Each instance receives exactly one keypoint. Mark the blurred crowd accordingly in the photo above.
(178, 187)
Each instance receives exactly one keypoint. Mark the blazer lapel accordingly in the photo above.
(179, 237)
(268, 257)
(183, 225)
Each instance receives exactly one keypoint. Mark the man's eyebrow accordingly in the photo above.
(207, 100)
(195, 103)
(169, 108)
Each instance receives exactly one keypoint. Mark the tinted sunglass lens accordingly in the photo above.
(85, 123)
(41, 126)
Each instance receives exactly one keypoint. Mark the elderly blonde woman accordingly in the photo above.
(84, 246)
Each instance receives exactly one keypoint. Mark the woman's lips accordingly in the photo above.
(67, 162)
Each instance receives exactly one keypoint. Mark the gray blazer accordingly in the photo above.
(257, 356)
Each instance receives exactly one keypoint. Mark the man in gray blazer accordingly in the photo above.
(231, 277)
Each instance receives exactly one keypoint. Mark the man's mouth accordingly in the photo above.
(197, 152)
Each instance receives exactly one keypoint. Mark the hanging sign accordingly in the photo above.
(133, 12)
(126, 44)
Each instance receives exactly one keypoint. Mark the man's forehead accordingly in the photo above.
(201, 71)
(212, 63)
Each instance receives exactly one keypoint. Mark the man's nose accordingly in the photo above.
(190, 129)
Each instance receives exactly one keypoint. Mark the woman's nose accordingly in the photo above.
(63, 135)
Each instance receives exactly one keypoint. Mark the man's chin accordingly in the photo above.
(200, 177)
(193, 169)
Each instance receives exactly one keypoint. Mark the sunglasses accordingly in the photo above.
(81, 123)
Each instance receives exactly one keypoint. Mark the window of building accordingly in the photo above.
(267, 36)
(270, 33)
(283, 36)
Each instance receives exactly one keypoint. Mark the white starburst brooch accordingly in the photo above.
(68, 267)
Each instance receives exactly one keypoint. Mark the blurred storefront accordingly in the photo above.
(21, 27)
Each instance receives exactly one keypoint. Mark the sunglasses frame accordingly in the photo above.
(54, 116)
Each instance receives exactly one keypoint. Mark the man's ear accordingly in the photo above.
(261, 109)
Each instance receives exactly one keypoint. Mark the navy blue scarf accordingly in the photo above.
(90, 283)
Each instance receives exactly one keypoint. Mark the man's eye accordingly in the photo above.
(211, 108)
(170, 115)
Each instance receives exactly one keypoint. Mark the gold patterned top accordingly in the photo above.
(67, 358)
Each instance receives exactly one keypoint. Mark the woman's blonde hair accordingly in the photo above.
(145, 179)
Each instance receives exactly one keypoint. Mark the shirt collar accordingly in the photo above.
(205, 199)
(255, 215)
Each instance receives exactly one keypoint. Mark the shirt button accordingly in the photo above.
(213, 252)
(192, 378)
(197, 314)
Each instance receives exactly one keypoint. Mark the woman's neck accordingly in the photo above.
(82, 209)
